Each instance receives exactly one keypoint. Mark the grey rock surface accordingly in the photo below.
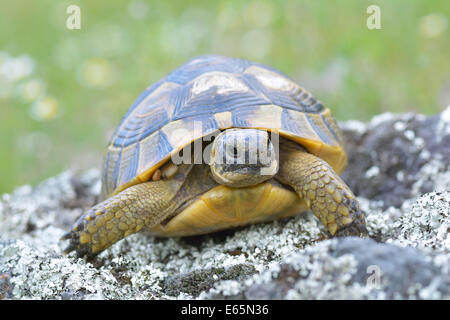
(399, 167)
(351, 268)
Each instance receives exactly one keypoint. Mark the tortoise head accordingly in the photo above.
(243, 157)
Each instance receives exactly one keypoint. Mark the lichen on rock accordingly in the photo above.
(399, 167)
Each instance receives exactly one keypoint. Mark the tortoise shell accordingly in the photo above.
(207, 94)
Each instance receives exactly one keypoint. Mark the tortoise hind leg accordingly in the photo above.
(142, 205)
(325, 193)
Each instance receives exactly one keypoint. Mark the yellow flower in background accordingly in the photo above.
(45, 109)
(96, 73)
(432, 25)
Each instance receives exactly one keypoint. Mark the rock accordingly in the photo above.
(428, 223)
(398, 157)
(398, 167)
(349, 268)
(196, 281)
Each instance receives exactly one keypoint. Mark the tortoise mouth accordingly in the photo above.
(243, 175)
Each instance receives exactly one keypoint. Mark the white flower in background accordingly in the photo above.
(14, 69)
(44, 109)
(15, 81)
(138, 9)
(31, 90)
(96, 73)
(432, 25)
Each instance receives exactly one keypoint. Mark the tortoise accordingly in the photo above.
(218, 143)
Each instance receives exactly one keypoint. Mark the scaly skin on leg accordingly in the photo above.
(142, 205)
(327, 195)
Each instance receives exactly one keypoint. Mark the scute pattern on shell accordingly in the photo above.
(207, 94)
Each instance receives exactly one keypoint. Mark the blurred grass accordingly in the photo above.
(95, 73)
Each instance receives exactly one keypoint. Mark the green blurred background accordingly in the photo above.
(62, 92)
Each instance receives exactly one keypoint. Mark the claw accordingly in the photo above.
(69, 249)
(81, 250)
(66, 236)
(355, 228)
(123, 214)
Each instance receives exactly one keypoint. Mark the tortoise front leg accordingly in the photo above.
(142, 205)
(325, 193)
